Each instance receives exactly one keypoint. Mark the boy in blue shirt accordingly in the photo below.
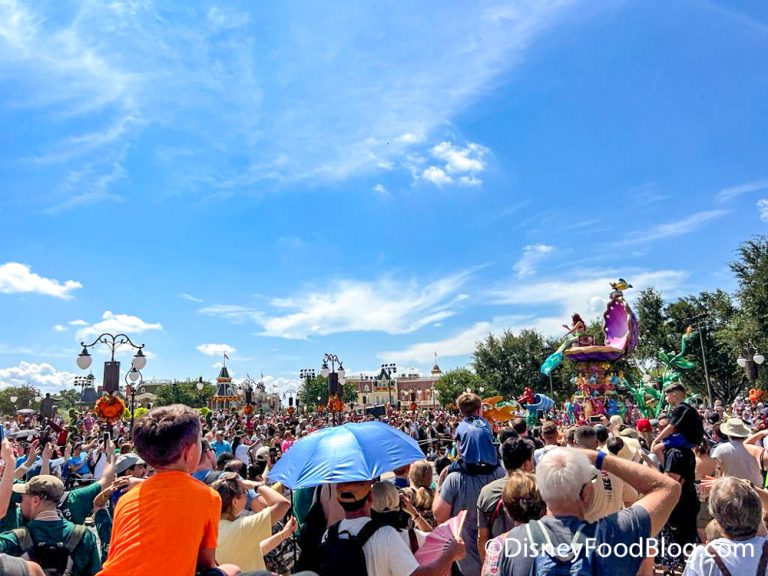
(474, 438)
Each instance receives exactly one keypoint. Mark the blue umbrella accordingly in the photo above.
(345, 454)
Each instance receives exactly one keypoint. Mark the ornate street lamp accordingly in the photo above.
(750, 365)
(336, 380)
(389, 370)
(112, 367)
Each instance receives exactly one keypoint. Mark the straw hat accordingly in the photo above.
(735, 428)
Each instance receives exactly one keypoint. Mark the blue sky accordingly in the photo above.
(383, 181)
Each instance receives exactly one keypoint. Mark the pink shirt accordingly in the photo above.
(286, 444)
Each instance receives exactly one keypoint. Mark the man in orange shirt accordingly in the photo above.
(169, 523)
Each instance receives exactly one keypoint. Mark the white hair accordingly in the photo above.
(561, 474)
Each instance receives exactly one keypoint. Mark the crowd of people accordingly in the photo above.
(185, 493)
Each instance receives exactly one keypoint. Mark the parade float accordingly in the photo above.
(601, 387)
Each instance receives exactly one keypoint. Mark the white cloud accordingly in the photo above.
(78, 323)
(735, 191)
(18, 278)
(673, 229)
(532, 255)
(216, 349)
(380, 189)
(115, 323)
(60, 328)
(437, 176)
(461, 165)
(42, 376)
(468, 159)
(386, 305)
(762, 209)
(191, 298)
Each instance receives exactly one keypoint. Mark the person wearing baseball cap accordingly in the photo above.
(673, 447)
(384, 549)
(685, 428)
(39, 499)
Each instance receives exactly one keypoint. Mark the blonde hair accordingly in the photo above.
(522, 499)
(385, 497)
(420, 477)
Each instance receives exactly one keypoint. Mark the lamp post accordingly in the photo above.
(432, 395)
(306, 374)
(133, 379)
(389, 369)
(750, 365)
(336, 380)
(112, 367)
(697, 320)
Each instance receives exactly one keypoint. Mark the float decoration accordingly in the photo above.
(536, 404)
(498, 412)
(109, 408)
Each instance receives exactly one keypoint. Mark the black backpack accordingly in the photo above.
(54, 558)
(344, 556)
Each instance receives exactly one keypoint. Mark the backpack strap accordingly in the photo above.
(497, 511)
(719, 561)
(366, 532)
(74, 538)
(412, 540)
(24, 538)
(763, 560)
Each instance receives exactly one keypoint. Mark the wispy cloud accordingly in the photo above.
(115, 323)
(674, 229)
(735, 191)
(587, 295)
(18, 278)
(532, 255)
(460, 344)
(190, 298)
(386, 305)
(216, 349)
(222, 83)
(586, 292)
(60, 328)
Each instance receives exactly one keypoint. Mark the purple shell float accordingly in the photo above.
(621, 333)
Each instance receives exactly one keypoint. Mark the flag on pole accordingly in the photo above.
(225, 356)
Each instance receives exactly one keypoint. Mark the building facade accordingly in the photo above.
(399, 390)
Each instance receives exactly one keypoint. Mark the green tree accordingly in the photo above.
(715, 314)
(508, 363)
(653, 328)
(185, 392)
(751, 271)
(25, 398)
(66, 399)
(452, 383)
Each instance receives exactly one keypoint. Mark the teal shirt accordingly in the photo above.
(86, 557)
(12, 518)
(78, 504)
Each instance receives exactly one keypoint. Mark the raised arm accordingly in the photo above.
(661, 492)
(277, 503)
(6, 481)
